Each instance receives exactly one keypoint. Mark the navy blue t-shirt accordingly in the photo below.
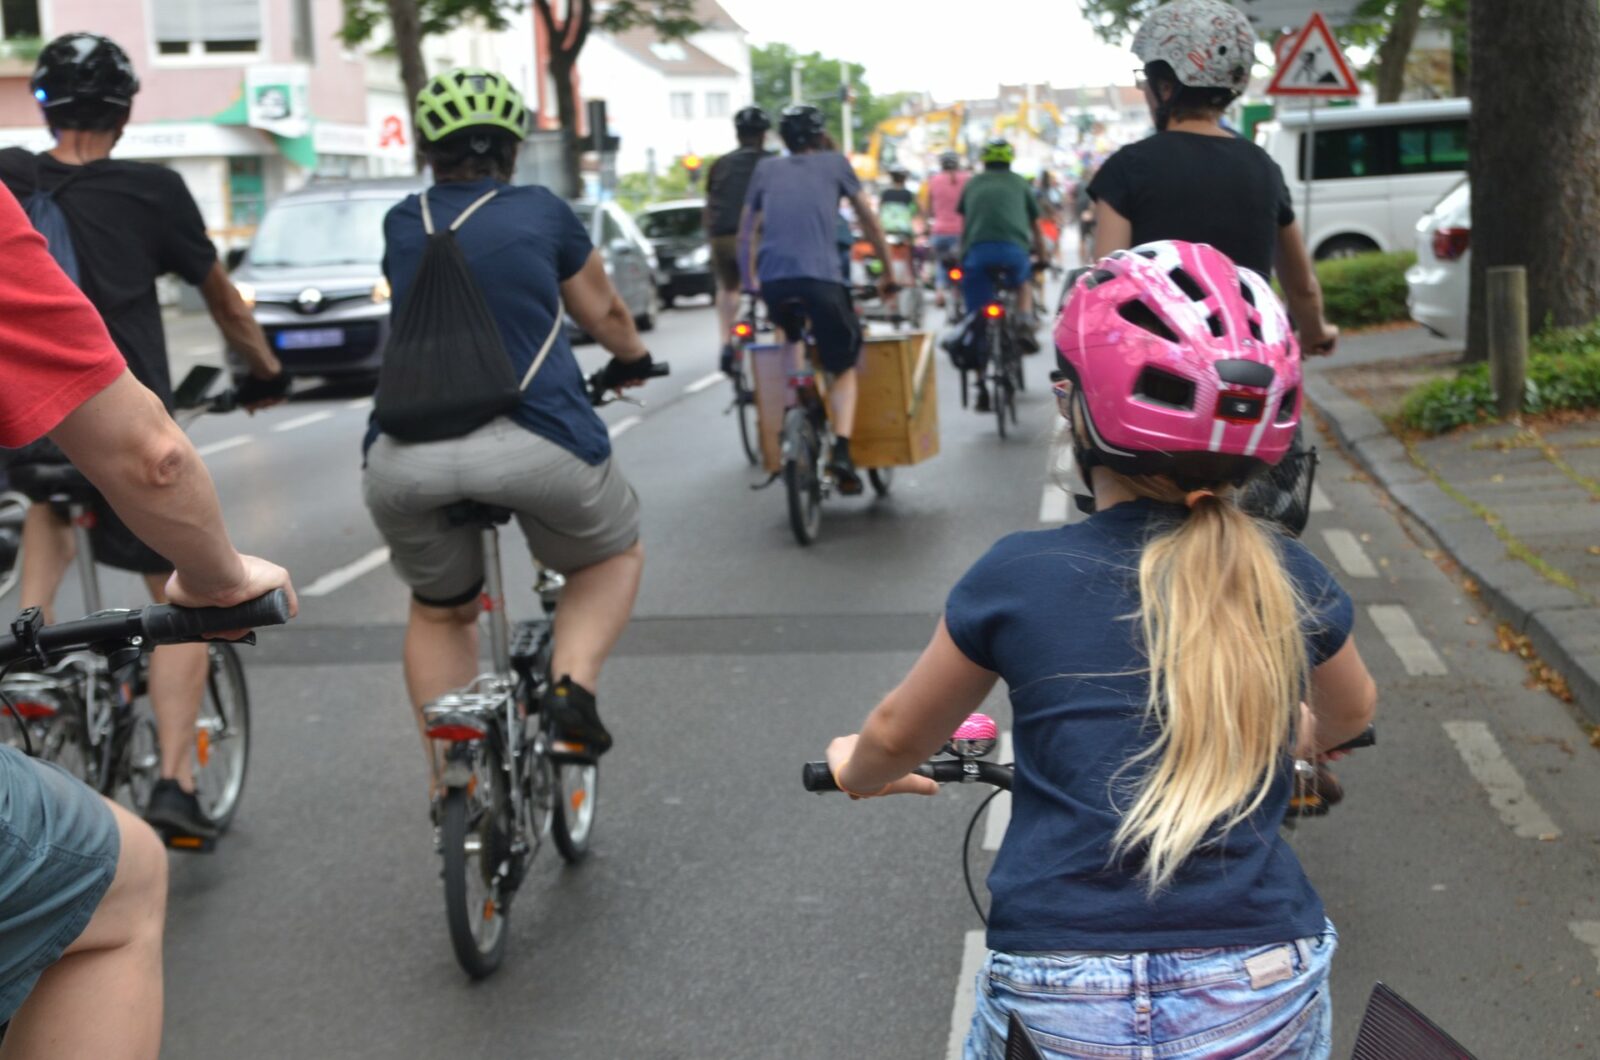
(1055, 614)
(798, 197)
(520, 246)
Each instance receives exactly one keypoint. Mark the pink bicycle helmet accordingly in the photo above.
(1182, 364)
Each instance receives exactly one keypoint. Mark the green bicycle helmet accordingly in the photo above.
(998, 150)
(469, 98)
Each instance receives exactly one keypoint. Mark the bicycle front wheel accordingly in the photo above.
(474, 841)
(744, 399)
(222, 736)
(577, 789)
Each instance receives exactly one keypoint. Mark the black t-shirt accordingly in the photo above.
(725, 187)
(1220, 190)
(131, 222)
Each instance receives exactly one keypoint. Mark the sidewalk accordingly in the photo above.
(1517, 508)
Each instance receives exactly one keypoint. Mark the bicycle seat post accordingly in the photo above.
(494, 590)
(88, 576)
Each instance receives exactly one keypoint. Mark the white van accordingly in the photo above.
(1379, 168)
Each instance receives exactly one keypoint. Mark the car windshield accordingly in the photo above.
(321, 232)
(671, 224)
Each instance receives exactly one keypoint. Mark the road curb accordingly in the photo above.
(1562, 626)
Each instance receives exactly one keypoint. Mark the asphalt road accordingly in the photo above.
(724, 912)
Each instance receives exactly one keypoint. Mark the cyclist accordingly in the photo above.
(1051, 210)
(549, 459)
(897, 206)
(129, 222)
(82, 881)
(1194, 180)
(1144, 899)
(941, 200)
(725, 188)
(791, 218)
(1001, 228)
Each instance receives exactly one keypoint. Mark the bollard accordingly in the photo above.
(1507, 288)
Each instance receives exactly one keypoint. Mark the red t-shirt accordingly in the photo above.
(55, 353)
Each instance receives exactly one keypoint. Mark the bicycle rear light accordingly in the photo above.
(994, 310)
(956, 274)
(743, 330)
(456, 730)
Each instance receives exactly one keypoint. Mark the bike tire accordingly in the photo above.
(477, 926)
(882, 479)
(1001, 378)
(744, 399)
(222, 736)
(1015, 388)
(801, 483)
(577, 793)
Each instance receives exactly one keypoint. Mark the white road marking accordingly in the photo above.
(1348, 551)
(1588, 933)
(1319, 500)
(360, 403)
(1053, 505)
(994, 826)
(973, 951)
(303, 421)
(704, 383)
(1508, 793)
(623, 426)
(224, 445)
(1416, 654)
(338, 579)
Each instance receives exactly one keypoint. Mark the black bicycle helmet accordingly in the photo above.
(949, 160)
(82, 68)
(751, 120)
(801, 126)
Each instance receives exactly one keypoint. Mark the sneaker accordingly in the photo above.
(727, 360)
(177, 812)
(576, 730)
(844, 469)
(981, 402)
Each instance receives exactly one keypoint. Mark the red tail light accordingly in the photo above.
(456, 731)
(742, 331)
(994, 310)
(956, 274)
(1449, 244)
(27, 708)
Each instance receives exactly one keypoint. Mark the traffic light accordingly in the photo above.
(691, 165)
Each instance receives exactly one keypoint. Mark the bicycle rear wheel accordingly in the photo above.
(474, 837)
(1000, 377)
(222, 736)
(801, 483)
(577, 791)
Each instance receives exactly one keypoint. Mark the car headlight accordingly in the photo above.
(247, 292)
(701, 255)
(381, 291)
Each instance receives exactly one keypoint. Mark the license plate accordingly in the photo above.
(310, 338)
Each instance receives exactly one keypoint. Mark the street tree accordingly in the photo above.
(1535, 157)
(770, 68)
(1388, 26)
(567, 26)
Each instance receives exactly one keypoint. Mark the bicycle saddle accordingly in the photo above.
(42, 482)
(472, 513)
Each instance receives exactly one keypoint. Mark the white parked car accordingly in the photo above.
(1377, 169)
(1439, 280)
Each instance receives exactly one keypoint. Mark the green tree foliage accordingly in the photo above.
(819, 83)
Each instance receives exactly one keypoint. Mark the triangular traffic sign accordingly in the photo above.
(1314, 65)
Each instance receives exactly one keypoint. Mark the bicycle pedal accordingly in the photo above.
(189, 844)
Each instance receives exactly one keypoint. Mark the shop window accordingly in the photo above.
(247, 191)
(207, 27)
(19, 20)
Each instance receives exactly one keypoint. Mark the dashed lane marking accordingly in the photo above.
(973, 951)
(994, 827)
(1319, 500)
(704, 383)
(303, 421)
(359, 403)
(1416, 654)
(1508, 792)
(224, 445)
(1346, 548)
(623, 426)
(338, 579)
(1588, 933)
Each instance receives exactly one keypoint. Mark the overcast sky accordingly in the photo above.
(954, 50)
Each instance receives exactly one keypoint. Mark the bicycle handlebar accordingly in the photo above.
(598, 388)
(816, 776)
(156, 624)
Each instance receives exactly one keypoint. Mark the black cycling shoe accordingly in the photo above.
(576, 731)
(727, 360)
(177, 815)
(981, 402)
(844, 471)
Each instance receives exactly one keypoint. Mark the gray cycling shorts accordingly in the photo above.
(574, 514)
(58, 855)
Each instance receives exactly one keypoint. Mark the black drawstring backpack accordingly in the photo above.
(445, 369)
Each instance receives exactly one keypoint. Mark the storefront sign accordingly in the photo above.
(277, 99)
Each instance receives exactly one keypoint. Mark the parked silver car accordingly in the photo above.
(314, 276)
(629, 258)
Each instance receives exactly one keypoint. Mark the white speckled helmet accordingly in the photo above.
(1208, 43)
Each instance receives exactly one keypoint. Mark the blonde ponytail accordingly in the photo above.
(1227, 663)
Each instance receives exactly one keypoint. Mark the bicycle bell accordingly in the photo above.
(975, 737)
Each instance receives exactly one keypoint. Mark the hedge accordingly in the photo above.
(1365, 290)
(1563, 373)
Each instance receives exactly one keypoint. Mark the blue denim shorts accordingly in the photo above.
(58, 855)
(1242, 1003)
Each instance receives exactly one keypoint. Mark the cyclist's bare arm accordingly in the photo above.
(1343, 697)
(125, 443)
(1302, 291)
(913, 721)
(237, 323)
(1112, 231)
(600, 311)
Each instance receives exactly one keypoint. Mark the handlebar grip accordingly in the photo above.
(658, 369)
(169, 623)
(816, 776)
(1365, 738)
